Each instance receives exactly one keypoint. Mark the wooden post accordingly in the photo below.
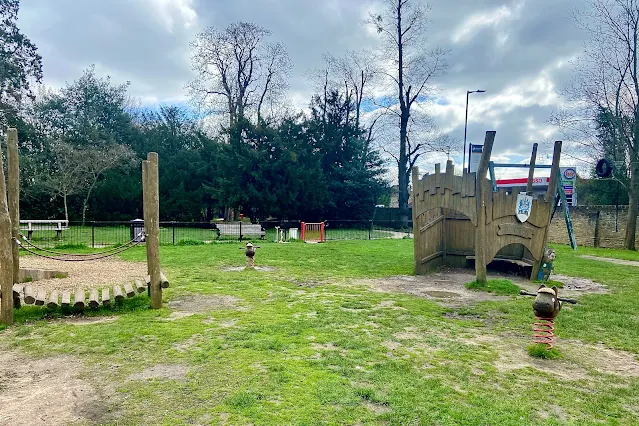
(481, 191)
(551, 193)
(531, 171)
(13, 199)
(150, 175)
(6, 253)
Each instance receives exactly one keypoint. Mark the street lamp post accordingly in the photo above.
(468, 92)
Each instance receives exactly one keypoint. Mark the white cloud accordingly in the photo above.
(167, 11)
(490, 18)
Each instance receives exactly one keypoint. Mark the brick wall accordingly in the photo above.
(593, 226)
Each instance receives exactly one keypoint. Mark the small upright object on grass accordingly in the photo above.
(546, 307)
(53, 299)
(250, 255)
(93, 298)
(66, 299)
(117, 293)
(78, 303)
(546, 265)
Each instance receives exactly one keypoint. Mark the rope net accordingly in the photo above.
(77, 257)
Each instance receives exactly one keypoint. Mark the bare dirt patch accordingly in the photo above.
(82, 320)
(95, 274)
(573, 286)
(176, 315)
(47, 392)
(162, 372)
(446, 286)
(377, 408)
(188, 344)
(202, 303)
(244, 268)
(580, 361)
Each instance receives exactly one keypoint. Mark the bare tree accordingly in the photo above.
(237, 72)
(68, 178)
(403, 24)
(423, 140)
(78, 170)
(97, 162)
(355, 74)
(604, 115)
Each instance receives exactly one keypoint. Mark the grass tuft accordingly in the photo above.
(242, 400)
(187, 242)
(540, 350)
(500, 287)
(70, 246)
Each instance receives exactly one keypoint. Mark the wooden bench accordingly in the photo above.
(44, 225)
(243, 229)
(519, 262)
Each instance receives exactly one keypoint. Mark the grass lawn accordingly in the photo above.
(311, 344)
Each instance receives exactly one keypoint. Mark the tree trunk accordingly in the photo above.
(66, 208)
(85, 204)
(402, 166)
(633, 200)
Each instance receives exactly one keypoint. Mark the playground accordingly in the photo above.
(389, 331)
(327, 337)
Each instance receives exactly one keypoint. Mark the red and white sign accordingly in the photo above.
(507, 183)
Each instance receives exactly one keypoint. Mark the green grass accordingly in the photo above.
(500, 287)
(311, 344)
(541, 351)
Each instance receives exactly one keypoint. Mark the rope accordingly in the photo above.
(119, 250)
(26, 240)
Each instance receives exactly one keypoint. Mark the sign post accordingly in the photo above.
(568, 180)
(474, 155)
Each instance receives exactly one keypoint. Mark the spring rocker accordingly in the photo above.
(546, 307)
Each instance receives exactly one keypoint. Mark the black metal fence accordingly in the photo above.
(103, 234)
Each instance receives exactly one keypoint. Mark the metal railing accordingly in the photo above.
(96, 234)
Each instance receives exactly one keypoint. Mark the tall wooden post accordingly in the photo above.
(152, 225)
(551, 193)
(6, 255)
(531, 171)
(13, 199)
(481, 194)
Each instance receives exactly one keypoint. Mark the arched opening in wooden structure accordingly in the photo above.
(449, 236)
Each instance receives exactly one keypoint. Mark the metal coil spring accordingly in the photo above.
(544, 332)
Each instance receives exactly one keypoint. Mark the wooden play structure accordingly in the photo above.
(11, 243)
(458, 219)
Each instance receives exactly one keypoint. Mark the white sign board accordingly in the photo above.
(474, 155)
(568, 179)
(524, 206)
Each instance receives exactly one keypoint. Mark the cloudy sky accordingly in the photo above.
(519, 51)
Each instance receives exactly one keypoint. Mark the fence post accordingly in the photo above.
(13, 200)
(370, 229)
(6, 253)
(152, 226)
(173, 232)
(240, 230)
(302, 228)
(93, 234)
